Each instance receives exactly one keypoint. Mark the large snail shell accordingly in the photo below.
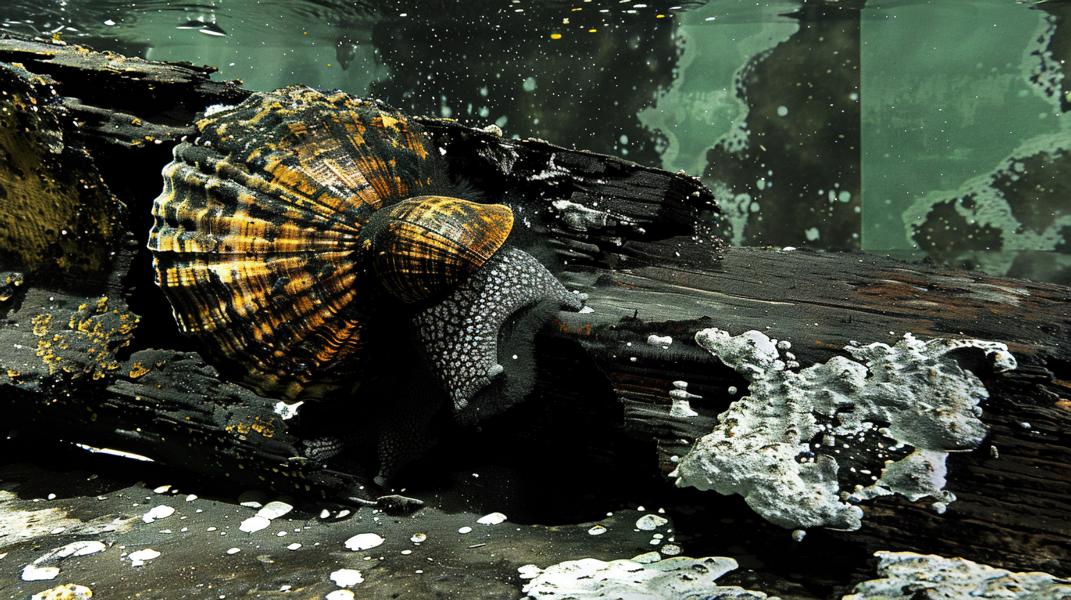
(257, 234)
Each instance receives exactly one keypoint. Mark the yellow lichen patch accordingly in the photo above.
(67, 591)
(89, 342)
(40, 323)
(138, 370)
(258, 426)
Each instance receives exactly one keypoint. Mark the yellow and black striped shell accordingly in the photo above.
(270, 223)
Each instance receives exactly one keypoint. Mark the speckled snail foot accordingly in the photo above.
(460, 334)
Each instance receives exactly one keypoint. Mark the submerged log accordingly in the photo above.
(89, 353)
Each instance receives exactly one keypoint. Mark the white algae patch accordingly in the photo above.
(42, 569)
(906, 575)
(157, 512)
(492, 519)
(363, 541)
(677, 577)
(346, 577)
(140, 557)
(768, 445)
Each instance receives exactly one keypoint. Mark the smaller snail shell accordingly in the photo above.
(424, 246)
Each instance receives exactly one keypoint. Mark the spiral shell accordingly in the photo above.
(263, 243)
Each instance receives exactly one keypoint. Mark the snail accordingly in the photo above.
(299, 220)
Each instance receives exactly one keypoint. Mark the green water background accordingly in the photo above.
(945, 132)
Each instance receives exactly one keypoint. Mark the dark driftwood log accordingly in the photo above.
(89, 354)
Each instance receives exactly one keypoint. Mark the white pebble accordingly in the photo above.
(464, 530)
(157, 512)
(363, 541)
(233, 550)
(346, 577)
(140, 557)
(597, 530)
(340, 595)
(254, 524)
(492, 519)
(650, 522)
(418, 537)
(274, 510)
(293, 546)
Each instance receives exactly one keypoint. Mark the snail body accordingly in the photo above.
(297, 218)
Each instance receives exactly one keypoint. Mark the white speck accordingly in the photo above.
(58, 530)
(340, 595)
(342, 513)
(293, 546)
(363, 541)
(233, 550)
(650, 522)
(464, 530)
(51, 496)
(1024, 424)
(731, 390)
(492, 519)
(939, 507)
(140, 557)
(254, 524)
(407, 552)
(587, 310)
(798, 535)
(325, 513)
(163, 489)
(442, 151)
(157, 512)
(346, 577)
(811, 234)
(597, 530)
(418, 537)
(529, 84)
(109, 23)
(191, 497)
(782, 111)
(788, 249)
(274, 509)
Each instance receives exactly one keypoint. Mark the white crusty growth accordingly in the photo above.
(768, 445)
(906, 575)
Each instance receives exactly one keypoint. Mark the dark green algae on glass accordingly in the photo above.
(913, 127)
